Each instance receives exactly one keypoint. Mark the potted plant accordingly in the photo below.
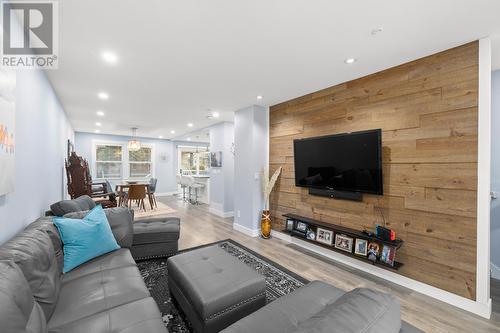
(267, 187)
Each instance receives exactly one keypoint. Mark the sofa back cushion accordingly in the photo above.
(69, 206)
(46, 225)
(19, 311)
(33, 252)
(120, 220)
(359, 311)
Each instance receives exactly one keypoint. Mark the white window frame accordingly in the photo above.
(94, 158)
(125, 169)
(179, 159)
(152, 162)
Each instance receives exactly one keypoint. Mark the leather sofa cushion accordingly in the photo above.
(46, 225)
(120, 220)
(33, 252)
(19, 312)
(138, 316)
(93, 293)
(112, 260)
(156, 230)
(358, 311)
(64, 207)
(213, 280)
(285, 313)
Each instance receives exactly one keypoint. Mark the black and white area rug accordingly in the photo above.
(279, 281)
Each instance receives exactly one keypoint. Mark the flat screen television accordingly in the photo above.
(349, 162)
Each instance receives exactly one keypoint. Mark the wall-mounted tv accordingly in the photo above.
(350, 162)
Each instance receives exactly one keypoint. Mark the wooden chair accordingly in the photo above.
(136, 193)
(80, 182)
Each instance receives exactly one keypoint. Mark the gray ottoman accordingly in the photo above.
(213, 288)
(155, 237)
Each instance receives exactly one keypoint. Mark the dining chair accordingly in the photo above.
(136, 193)
(152, 189)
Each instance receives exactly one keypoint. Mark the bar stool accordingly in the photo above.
(193, 185)
(183, 183)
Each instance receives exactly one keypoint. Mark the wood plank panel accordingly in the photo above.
(427, 110)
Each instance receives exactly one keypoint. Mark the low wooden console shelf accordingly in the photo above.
(345, 234)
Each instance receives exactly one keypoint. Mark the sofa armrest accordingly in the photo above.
(120, 220)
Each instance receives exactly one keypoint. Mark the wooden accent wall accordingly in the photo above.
(427, 110)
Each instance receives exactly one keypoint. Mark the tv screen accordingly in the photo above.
(345, 162)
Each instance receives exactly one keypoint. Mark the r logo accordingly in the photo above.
(28, 28)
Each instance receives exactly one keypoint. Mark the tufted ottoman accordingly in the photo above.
(213, 288)
(155, 237)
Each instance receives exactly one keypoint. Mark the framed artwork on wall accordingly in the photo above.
(7, 130)
(216, 159)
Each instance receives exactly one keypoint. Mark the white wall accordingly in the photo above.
(495, 173)
(165, 169)
(42, 131)
(222, 179)
(251, 157)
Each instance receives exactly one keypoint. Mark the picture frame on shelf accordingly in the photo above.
(324, 236)
(289, 224)
(373, 251)
(343, 242)
(388, 255)
(310, 234)
(361, 247)
(301, 226)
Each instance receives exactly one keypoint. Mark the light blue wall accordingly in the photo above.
(251, 157)
(165, 156)
(42, 131)
(222, 179)
(495, 169)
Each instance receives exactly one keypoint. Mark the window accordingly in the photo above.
(115, 161)
(194, 162)
(108, 161)
(140, 163)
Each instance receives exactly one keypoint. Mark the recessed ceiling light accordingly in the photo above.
(189, 139)
(172, 132)
(98, 124)
(100, 113)
(215, 114)
(109, 57)
(97, 131)
(103, 95)
(160, 137)
(350, 61)
(259, 97)
(190, 125)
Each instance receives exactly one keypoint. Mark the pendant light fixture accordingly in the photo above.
(134, 144)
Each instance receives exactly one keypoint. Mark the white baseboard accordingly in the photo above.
(495, 271)
(483, 310)
(216, 209)
(245, 230)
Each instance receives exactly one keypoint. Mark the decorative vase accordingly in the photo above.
(265, 224)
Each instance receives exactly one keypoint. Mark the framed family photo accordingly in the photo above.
(343, 243)
(324, 236)
(361, 247)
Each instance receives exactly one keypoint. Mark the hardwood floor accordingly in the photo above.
(199, 227)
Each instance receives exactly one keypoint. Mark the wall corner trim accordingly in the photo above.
(483, 174)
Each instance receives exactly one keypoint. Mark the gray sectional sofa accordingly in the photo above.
(106, 294)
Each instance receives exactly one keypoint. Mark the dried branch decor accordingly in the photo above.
(268, 184)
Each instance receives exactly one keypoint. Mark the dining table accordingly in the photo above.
(122, 188)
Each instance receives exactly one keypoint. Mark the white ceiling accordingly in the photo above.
(179, 58)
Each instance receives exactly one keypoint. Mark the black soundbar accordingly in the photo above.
(334, 194)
